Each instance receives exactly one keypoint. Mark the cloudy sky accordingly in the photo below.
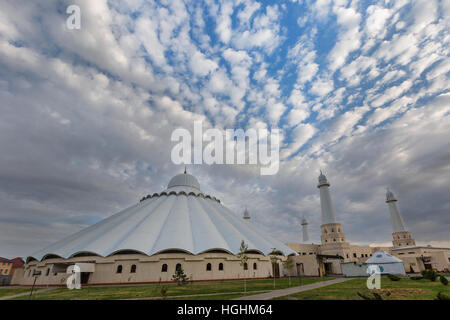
(358, 89)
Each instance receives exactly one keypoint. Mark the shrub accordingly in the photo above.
(393, 277)
(444, 280)
(375, 296)
(442, 296)
(429, 274)
(163, 291)
(417, 278)
(180, 277)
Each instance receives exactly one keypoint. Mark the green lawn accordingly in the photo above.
(405, 289)
(10, 292)
(154, 290)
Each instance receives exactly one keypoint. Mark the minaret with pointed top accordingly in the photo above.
(305, 230)
(246, 214)
(401, 236)
(331, 230)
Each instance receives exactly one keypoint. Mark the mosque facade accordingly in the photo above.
(182, 227)
(326, 258)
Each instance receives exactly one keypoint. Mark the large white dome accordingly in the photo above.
(180, 218)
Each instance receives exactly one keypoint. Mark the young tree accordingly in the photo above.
(274, 259)
(180, 277)
(288, 265)
(244, 258)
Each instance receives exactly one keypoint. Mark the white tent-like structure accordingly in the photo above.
(179, 218)
(180, 227)
(387, 263)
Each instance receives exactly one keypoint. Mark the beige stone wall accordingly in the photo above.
(412, 257)
(149, 268)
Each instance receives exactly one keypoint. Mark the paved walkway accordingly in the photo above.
(288, 291)
(25, 293)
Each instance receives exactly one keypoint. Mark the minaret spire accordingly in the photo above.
(401, 236)
(328, 214)
(332, 233)
(305, 229)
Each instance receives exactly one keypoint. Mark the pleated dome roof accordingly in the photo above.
(180, 218)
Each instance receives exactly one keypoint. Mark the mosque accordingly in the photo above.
(182, 227)
(327, 258)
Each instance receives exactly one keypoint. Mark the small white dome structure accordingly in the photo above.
(387, 263)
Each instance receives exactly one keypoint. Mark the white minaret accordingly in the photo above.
(305, 230)
(332, 233)
(246, 214)
(401, 236)
(328, 215)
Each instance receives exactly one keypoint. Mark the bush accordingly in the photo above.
(430, 275)
(375, 296)
(180, 277)
(393, 277)
(444, 280)
(417, 278)
(442, 296)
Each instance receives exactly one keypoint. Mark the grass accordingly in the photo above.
(154, 290)
(405, 289)
(10, 292)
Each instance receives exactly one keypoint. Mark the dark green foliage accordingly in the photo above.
(393, 277)
(163, 292)
(430, 275)
(442, 296)
(444, 280)
(375, 296)
(416, 278)
(180, 277)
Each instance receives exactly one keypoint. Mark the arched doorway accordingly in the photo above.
(300, 269)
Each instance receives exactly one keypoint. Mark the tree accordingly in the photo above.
(288, 265)
(180, 277)
(243, 260)
(274, 259)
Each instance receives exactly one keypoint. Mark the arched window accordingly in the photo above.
(119, 269)
(164, 268)
(221, 266)
(332, 230)
(48, 272)
(245, 266)
(178, 266)
(133, 268)
(255, 266)
(208, 267)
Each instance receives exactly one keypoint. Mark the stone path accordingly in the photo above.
(25, 294)
(288, 291)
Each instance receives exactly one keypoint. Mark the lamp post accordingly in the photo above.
(36, 273)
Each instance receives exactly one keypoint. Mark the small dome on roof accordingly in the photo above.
(322, 178)
(184, 180)
(246, 214)
(390, 196)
